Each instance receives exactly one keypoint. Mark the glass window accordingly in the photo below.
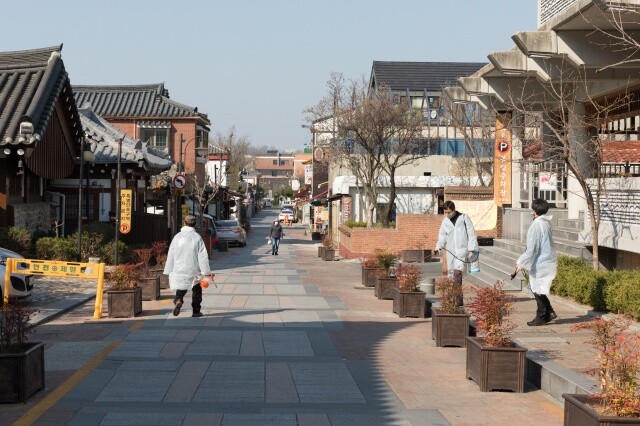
(416, 102)
(155, 137)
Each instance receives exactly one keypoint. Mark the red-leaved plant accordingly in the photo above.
(449, 294)
(409, 277)
(616, 366)
(491, 307)
(14, 325)
(159, 250)
(369, 263)
(143, 258)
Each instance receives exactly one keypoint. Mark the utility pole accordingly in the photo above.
(118, 198)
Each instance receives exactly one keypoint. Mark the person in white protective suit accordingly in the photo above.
(186, 262)
(458, 236)
(540, 259)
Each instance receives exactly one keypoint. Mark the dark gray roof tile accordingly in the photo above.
(31, 82)
(430, 76)
(137, 101)
(103, 141)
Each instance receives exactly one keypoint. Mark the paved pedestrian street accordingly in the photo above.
(284, 340)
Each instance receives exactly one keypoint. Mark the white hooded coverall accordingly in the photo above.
(187, 259)
(459, 239)
(539, 256)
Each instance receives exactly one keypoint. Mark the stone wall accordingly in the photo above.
(32, 216)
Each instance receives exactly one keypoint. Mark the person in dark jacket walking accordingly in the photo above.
(275, 234)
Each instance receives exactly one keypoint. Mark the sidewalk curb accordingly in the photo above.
(56, 312)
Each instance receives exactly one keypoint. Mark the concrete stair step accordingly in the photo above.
(498, 253)
(563, 246)
(568, 234)
(571, 223)
(485, 278)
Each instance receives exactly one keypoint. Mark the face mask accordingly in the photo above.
(451, 215)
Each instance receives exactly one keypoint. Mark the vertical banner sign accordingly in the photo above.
(126, 198)
(502, 160)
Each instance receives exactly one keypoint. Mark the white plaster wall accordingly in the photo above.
(622, 236)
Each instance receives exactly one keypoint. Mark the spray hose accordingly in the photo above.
(473, 258)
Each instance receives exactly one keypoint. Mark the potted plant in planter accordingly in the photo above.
(408, 300)
(159, 251)
(21, 361)
(449, 322)
(617, 366)
(369, 267)
(328, 248)
(386, 280)
(124, 297)
(494, 361)
(148, 280)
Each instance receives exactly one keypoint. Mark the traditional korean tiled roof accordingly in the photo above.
(31, 82)
(417, 76)
(148, 101)
(612, 152)
(103, 142)
(621, 152)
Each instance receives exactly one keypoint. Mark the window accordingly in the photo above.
(275, 162)
(416, 102)
(155, 137)
(274, 173)
(202, 138)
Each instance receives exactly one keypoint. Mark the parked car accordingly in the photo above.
(232, 232)
(21, 285)
(267, 203)
(287, 212)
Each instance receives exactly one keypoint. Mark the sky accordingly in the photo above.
(257, 64)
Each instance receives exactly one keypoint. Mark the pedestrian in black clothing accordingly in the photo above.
(275, 234)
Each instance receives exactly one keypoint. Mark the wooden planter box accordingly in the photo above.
(328, 254)
(124, 303)
(22, 373)
(369, 277)
(449, 329)
(496, 368)
(384, 288)
(577, 412)
(150, 288)
(164, 279)
(409, 303)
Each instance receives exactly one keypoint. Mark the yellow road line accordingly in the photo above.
(50, 400)
(136, 326)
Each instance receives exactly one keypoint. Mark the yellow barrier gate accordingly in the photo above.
(55, 268)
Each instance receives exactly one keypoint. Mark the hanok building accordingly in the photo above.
(97, 199)
(146, 113)
(40, 134)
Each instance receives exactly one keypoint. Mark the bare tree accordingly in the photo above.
(476, 126)
(238, 148)
(372, 135)
(347, 114)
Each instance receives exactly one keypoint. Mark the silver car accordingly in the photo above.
(231, 232)
(21, 285)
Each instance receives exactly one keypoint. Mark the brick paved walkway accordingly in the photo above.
(285, 340)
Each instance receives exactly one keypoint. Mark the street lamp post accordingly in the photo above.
(86, 156)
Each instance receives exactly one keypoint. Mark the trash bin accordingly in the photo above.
(316, 236)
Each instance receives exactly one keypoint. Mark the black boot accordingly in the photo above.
(541, 312)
